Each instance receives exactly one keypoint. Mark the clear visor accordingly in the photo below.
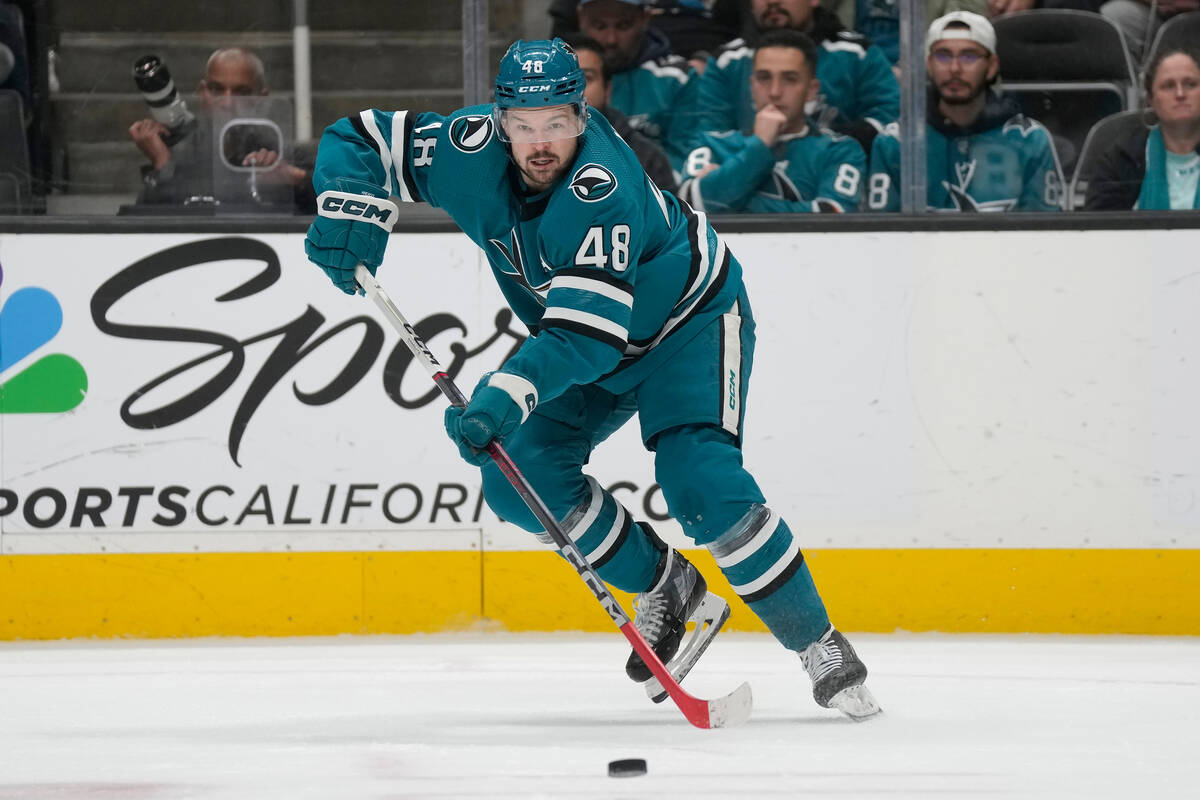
(532, 125)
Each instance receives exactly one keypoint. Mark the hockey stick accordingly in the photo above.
(732, 709)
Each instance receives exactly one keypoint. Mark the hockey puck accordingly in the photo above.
(627, 768)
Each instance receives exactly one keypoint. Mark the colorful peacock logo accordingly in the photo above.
(54, 383)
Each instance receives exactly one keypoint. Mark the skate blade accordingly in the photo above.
(856, 702)
(709, 616)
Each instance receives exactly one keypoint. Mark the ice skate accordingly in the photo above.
(663, 613)
(838, 674)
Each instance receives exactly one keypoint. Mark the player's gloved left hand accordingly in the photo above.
(350, 229)
(500, 403)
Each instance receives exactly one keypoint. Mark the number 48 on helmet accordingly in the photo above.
(535, 75)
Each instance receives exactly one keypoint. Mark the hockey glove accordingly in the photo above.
(350, 229)
(500, 403)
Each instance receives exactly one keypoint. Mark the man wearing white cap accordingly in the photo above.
(982, 154)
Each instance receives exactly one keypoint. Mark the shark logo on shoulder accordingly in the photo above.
(592, 183)
(471, 133)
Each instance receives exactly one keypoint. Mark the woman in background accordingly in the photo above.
(1157, 169)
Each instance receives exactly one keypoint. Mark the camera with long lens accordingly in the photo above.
(153, 80)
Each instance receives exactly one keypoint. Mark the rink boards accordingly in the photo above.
(969, 431)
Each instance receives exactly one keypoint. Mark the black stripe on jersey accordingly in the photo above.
(713, 289)
(622, 537)
(693, 223)
(642, 342)
(584, 330)
(594, 275)
(780, 579)
(402, 169)
(698, 249)
(357, 123)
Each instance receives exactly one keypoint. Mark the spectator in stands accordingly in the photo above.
(1139, 19)
(859, 93)
(998, 8)
(879, 20)
(14, 59)
(650, 85)
(1159, 168)
(786, 164)
(695, 28)
(982, 154)
(183, 172)
(7, 62)
(599, 89)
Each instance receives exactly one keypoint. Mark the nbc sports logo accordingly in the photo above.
(29, 384)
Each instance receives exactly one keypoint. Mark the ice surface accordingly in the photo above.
(500, 716)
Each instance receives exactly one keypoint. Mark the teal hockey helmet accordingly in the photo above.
(537, 75)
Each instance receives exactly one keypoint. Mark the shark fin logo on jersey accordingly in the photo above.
(471, 133)
(784, 188)
(593, 182)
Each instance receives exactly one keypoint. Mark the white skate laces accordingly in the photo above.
(650, 612)
(822, 656)
(669, 596)
(664, 612)
(837, 676)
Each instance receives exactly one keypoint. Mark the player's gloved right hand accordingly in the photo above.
(501, 402)
(350, 229)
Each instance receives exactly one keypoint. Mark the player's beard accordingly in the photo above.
(541, 179)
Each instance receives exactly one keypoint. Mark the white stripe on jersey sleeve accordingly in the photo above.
(398, 159)
(665, 71)
(385, 152)
(690, 191)
(662, 202)
(620, 295)
(594, 321)
(737, 53)
(845, 47)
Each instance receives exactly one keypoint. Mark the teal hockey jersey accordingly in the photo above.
(1004, 162)
(658, 96)
(610, 274)
(859, 92)
(815, 171)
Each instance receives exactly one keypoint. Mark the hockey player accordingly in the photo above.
(981, 153)
(786, 164)
(635, 305)
(653, 87)
(859, 92)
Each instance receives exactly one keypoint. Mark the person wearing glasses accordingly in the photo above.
(981, 153)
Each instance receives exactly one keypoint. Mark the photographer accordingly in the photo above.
(180, 158)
